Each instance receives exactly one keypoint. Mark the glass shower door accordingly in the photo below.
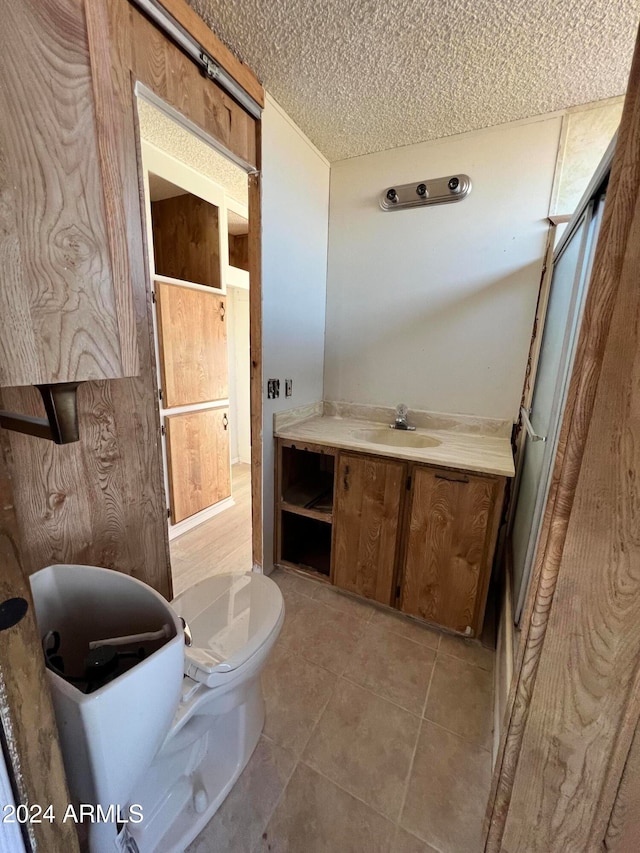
(568, 287)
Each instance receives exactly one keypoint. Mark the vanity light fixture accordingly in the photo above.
(435, 191)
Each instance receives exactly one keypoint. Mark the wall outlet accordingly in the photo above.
(288, 387)
(273, 389)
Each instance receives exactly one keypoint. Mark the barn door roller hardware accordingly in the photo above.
(435, 191)
(154, 10)
(61, 423)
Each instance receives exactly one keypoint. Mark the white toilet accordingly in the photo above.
(170, 743)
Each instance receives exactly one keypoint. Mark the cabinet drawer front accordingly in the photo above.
(193, 345)
(448, 547)
(366, 520)
(198, 461)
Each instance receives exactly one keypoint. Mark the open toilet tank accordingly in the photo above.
(171, 744)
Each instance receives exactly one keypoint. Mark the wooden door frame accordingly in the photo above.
(612, 281)
(194, 25)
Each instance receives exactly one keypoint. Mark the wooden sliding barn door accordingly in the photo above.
(99, 501)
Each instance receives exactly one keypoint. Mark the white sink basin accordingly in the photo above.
(398, 438)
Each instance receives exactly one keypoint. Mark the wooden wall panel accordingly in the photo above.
(193, 345)
(623, 830)
(368, 498)
(101, 501)
(199, 461)
(27, 721)
(255, 345)
(239, 251)
(66, 298)
(575, 701)
(186, 239)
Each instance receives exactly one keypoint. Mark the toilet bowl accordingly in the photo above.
(233, 622)
(173, 733)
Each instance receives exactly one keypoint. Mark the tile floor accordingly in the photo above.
(377, 737)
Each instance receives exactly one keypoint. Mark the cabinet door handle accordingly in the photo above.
(345, 481)
(225, 421)
(452, 479)
(223, 311)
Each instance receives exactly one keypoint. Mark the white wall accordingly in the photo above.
(295, 199)
(239, 365)
(434, 307)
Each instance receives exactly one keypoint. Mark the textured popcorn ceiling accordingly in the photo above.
(164, 133)
(366, 75)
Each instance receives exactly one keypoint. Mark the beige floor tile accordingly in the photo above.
(315, 816)
(293, 602)
(461, 699)
(469, 650)
(239, 822)
(406, 627)
(332, 597)
(392, 666)
(364, 744)
(291, 582)
(323, 635)
(404, 842)
(296, 693)
(448, 791)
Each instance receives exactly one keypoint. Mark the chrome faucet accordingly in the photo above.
(401, 421)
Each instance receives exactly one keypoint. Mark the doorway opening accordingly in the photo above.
(197, 223)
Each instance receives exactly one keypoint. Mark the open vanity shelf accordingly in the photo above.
(408, 535)
(305, 508)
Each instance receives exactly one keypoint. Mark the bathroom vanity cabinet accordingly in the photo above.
(412, 536)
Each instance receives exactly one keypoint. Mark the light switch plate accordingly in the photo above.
(273, 389)
(288, 387)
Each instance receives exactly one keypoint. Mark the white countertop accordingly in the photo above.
(470, 452)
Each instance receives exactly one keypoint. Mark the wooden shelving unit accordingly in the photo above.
(305, 508)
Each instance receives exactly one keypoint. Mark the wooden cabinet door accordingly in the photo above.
(192, 333)
(66, 298)
(198, 460)
(451, 534)
(366, 519)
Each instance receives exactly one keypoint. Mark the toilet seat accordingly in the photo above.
(231, 618)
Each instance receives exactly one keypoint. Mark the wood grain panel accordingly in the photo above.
(26, 713)
(193, 345)
(575, 700)
(66, 292)
(239, 251)
(199, 461)
(101, 501)
(449, 548)
(186, 239)
(194, 24)
(255, 347)
(368, 498)
(170, 74)
(623, 830)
